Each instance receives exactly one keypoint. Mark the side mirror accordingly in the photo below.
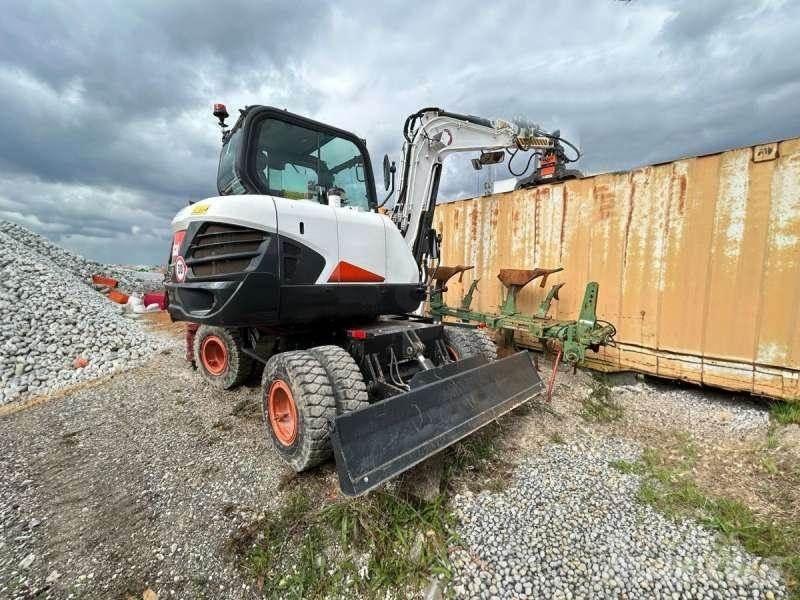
(388, 172)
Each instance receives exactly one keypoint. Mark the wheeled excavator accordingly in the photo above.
(296, 266)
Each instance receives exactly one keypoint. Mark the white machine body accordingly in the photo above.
(368, 241)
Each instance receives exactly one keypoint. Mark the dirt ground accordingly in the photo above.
(134, 483)
(141, 481)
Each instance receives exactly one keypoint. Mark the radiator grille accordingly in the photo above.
(222, 249)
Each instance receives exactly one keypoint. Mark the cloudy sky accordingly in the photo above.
(105, 124)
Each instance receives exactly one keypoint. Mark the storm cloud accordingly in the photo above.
(106, 131)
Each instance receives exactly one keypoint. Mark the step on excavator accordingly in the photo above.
(296, 266)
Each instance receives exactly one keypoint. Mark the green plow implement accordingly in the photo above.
(571, 338)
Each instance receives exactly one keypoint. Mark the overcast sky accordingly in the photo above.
(105, 124)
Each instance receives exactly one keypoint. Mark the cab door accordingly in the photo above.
(362, 240)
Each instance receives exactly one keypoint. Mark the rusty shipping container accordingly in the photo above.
(698, 262)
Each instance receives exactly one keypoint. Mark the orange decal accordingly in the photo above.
(346, 272)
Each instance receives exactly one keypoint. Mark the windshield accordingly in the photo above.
(296, 162)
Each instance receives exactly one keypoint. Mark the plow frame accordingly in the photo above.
(573, 338)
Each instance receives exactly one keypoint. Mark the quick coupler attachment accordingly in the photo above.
(389, 437)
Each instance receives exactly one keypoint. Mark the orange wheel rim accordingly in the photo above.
(214, 355)
(453, 354)
(282, 412)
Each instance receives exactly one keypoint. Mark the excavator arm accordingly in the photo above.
(433, 134)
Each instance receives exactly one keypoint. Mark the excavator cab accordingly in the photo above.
(275, 153)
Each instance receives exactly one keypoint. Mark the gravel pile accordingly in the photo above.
(129, 280)
(52, 321)
(569, 526)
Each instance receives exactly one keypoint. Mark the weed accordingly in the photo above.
(285, 550)
(70, 438)
(769, 465)
(773, 440)
(686, 448)
(668, 486)
(785, 413)
(405, 541)
(557, 438)
(475, 452)
(627, 467)
(479, 454)
(378, 541)
(599, 406)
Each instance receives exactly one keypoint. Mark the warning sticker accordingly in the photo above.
(177, 240)
(180, 269)
(200, 209)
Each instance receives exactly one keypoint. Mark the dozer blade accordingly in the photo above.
(383, 440)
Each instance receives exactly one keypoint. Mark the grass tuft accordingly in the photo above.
(785, 413)
(627, 467)
(773, 439)
(599, 406)
(476, 452)
(405, 542)
(349, 547)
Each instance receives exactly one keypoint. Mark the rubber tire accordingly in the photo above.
(349, 388)
(470, 341)
(240, 365)
(313, 398)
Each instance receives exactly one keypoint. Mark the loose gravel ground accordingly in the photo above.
(692, 409)
(569, 526)
(132, 483)
(144, 480)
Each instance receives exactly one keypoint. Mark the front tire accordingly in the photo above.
(297, 403)
(219, 357)
(463, 342)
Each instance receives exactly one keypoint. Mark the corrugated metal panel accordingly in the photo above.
(698, 262)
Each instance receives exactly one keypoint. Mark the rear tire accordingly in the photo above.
(349, 389)
(296, 404)
(463, 342)
(219, 357)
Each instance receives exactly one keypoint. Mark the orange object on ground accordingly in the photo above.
(103, 280)
(118, 297)
(79, 362)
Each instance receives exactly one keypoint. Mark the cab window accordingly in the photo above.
(345, 168)
(296, 162)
